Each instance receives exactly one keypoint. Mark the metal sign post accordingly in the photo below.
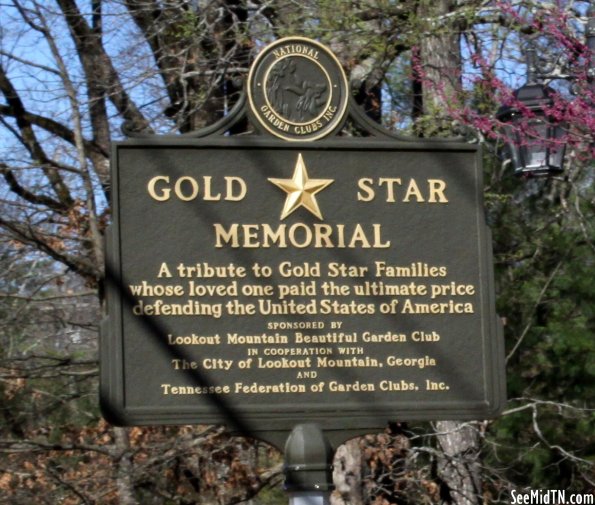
(308, 466)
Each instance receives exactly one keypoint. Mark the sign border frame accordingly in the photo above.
(112, 393)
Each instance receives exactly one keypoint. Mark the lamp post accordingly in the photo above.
(534, 139)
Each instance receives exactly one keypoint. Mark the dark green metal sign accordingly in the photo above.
(261, 284)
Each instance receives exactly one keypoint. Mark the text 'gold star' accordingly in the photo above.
(300, 190)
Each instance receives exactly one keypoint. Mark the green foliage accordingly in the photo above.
(544, 262)
(188, 25)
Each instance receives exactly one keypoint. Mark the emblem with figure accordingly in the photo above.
(297, 89)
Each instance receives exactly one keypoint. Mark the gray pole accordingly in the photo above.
(308, 466)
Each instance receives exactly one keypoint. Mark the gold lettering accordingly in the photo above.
(340, 387)
(229, 189)
(251, 235)
(208, 196)
(420, 363)
(390, 187)
(255, 388)
(324, 235)
(164, 195)
(436, 386)
(273, 119)
(296, 49)
(164, 271)
(402, 385)
(365, 185)
(190, 308)
(193, 185)
(413, 190)
(417, 269)
(436, 188)
(341, 235)
(298, 235)
(275, 236)
(450, 307)
(378, 244)
(226, 236)
(307, 235)
(329, 113)
(186, 188)
(168, 389)
(359, 236)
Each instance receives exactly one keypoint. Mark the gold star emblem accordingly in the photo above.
(301, 189)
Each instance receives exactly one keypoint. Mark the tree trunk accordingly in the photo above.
(124, 480)
(347, 474)
(439, 65)
(458, 465)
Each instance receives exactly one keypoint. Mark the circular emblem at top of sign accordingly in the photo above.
(297, 89)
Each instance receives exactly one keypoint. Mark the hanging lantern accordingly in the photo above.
(534, 142)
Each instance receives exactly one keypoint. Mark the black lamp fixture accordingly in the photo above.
(534, 140)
